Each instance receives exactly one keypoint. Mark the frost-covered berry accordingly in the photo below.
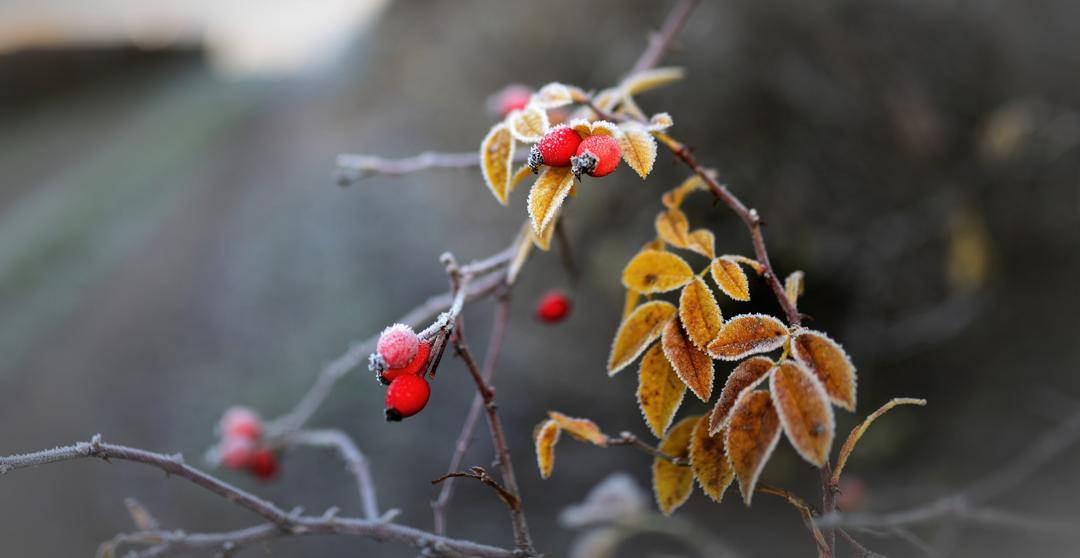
(553, 307)
(241, 422)
(597, 155)
(236, 452)
(263, 464)
(508, 99)
(416, 366)
(397, 345)
(555, 149)
(406, 396)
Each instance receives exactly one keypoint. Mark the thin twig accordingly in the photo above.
(478, 473)
(807, 513)
(353, 168)
(280, 521)
(355, 462)
(630, 439)
(660, 43)
(861, 550)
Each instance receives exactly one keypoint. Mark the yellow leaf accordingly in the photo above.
(583, 430)
(604, 128)
(660, 122)
(748, 334)
(522, 248)
(752, 433)
(694, 367)
(547, 196)
(673, 227)
(640, 328)
(660, 391)
(497, 156)
(674, 197)
(632, 298)
(709, 459)
(730, 278)
(518, 177)
(654, 244)
(750, 262)
(651, 79)
(638, 148)
(673, 483)
(699, 313)
(652, 271)
(552, 95)
(804, 410)
(793, 286)
(968, 258)
(858, 431)
(703, 242)
(747, 375)
(827, 359)
(543, 240)
(545, 436)
(529, 124)
(606, 99)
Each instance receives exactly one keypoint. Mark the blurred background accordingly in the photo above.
(172, 242)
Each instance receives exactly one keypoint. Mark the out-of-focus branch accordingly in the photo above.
(660, 43)
(353, 168)
(355, 462)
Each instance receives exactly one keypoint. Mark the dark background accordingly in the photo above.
(172, 242)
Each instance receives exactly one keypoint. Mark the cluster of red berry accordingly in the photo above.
(401, 360)
(562, 146)
(242, 447)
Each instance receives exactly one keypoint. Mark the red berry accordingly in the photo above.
(598, 155)
(510, 98)
(241, 422)
(264, 464)
(236, 452)
(418, 364)
(555, 149)
(406, 396)
(553, 307)
(397, 345)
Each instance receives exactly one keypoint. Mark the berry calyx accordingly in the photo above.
(397, 345)
(416, 366)
(553, 307)
(263, 464)
(554, 149)
(597, 155)
(406, 396)
(241, 422)
(236, 452)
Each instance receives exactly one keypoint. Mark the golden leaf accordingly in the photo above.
(651, 79)
(694, 367)
(545, 436)
(857, 432)
(702, 241)
(673, 483)
(747, 375)
(582, 126)
(730, 278)
(653, 271)
(543, 240)
(522, 248)
(547, 196)
(752, 433)
(748, 334)
(528, 125)
(519, 175)
(583, 430)
(497, 156)
(804, 410)
(673, 227)
(827, 359)
(699, 313)
(793, 286)
(674, 197)
(708, 458)
(632, 298)
(660, 391)
(638, 148)
(552, 95)
(606, 99)
(750, 262)
(660, 122)
(968, 258)
(640, 328)
(605, 128)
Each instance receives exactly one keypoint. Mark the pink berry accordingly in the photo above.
(417, 366)
(510, 98)
(555, 149)
(236, 452)
(241, 422)
(397, 345)
(553, 307)
(597, 155)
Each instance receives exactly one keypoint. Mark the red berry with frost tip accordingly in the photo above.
(508, 99)
(555, 149)
(236, 452)
(397, 345)
(263, 464)
(597, 155)
(418, 364)
(241, 422)
(406, 396)
(553, 307)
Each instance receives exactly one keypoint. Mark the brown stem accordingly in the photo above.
(828, 502)
(660, 43)
(630, 439)
(861, 550)
(824, 550)
(481, 475)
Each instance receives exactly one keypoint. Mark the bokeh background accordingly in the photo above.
(172, 242)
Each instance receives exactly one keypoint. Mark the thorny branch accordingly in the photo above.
(355, 462)
(478, 473)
